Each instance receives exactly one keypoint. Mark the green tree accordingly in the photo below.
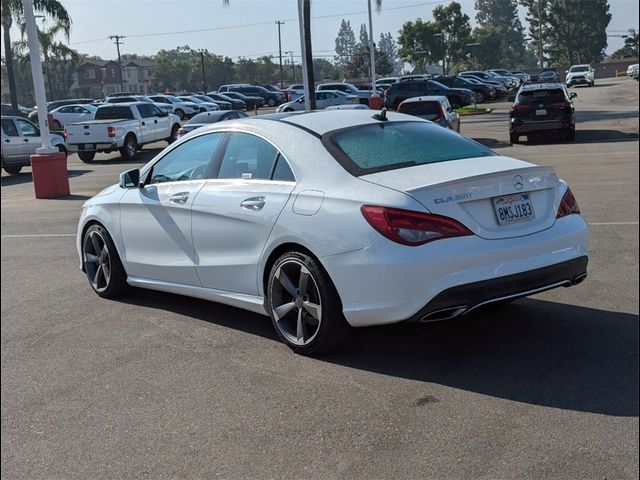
(419, 45)
(577, 31)
(490, 40)
(58, 60)
(503, 15)
(455, 33)
(389, 48)
(345, 44)
(10, 11)
(538, 19)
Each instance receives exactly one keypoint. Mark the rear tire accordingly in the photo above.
(12, 169)
(571, 134)
(101, 263)
(86, 157)
(304, 306)
(271, 102)
(479, 97)
(514, 138)
(130, 148)
(62, 149)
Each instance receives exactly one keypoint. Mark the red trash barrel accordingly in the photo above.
(375, 102)
(50, 178)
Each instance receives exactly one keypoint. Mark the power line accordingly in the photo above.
(256, 24)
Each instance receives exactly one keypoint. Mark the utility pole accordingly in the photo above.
(540, 44)
(117, 41)
(278, 22)
(204, 80)
(372, 52)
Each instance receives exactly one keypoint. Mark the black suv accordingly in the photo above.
(541, 108)
(270, 98)
(398, 92)
(482, 92)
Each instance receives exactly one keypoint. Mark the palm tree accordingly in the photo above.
(51, 51)
(10, 11)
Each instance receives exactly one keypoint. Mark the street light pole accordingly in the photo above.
(278, 22)
(204, 80)
(372, 53)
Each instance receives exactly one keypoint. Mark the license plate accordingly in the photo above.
(88, 146)
(513, 208)
(542, 111)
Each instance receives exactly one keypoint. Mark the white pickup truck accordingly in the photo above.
(124, 127)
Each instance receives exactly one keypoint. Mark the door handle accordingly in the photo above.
(253, 203)
(25, 140)
(143, 124)
(6, 140)
(179, 198)
(155, 121)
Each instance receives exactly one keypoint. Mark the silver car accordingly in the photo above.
(323, 100)
(20, 139)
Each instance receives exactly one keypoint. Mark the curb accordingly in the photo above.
(463, 114)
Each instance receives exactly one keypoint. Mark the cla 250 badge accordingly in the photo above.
(453, 198)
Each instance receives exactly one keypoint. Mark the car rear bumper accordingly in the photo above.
(389, 283)
(541, 126)
(91, 147)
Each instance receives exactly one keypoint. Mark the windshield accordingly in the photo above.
(438, 84)
(388, 146)
(191, 99)
(579, 69)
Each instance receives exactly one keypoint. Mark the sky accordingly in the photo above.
(247, 28)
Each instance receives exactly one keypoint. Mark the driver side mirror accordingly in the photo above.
(300, 100)
(130, 178)
(164, 113)
(573, 95)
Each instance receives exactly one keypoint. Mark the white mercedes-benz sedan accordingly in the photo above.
(336, 219)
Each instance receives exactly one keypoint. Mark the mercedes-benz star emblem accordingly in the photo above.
(518, 182)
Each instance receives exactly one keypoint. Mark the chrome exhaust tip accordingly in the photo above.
(579, 279)
(444, 314)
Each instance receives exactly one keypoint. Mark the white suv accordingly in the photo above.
(580, 75)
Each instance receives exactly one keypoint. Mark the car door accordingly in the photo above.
(156, 222)
(321, 100)
(234, 214)
(30, 137)
(12, 144)
(147, 126)
(162, 129)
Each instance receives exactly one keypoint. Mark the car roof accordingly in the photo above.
(426, 98)
(322, 121)
(540, 86)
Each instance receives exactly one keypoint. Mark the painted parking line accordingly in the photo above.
(598, 224)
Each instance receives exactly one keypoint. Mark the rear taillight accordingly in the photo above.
(111, 131)
(568, 204)
(520, 107)
(182, 131)
(65, 133)
(412, 228)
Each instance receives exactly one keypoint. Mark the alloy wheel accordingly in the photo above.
(295, 303)
(97, 261)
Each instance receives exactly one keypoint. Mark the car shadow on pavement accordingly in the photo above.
(532, 351)
(26, 177)
(583, 135)
(492, 142)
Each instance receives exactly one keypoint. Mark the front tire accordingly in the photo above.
(130, 148)
(304, 305)
(101, 263)
(174, 134)
(12, 169)
(86, 157)
(479, 97)
(271, 102)
(180, 114)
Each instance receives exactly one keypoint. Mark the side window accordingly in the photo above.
(9, 128)
(65, 110)
(28, 129)
(282, 172)
(189, 161)
(155, 111)
(247, 157)
(321, 96)
(145, 110)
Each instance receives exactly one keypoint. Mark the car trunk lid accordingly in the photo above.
(476, 191)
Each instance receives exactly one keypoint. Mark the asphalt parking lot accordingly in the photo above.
(161, 386)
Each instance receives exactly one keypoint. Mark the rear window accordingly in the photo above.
(428, 110)
(112, 113)
(546, 94)
(388, 146)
